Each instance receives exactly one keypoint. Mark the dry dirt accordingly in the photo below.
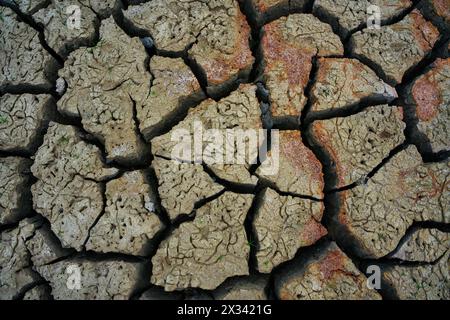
(92, 206)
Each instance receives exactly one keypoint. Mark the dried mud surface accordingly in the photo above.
(88, 187)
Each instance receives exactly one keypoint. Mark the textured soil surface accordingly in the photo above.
(88, 188)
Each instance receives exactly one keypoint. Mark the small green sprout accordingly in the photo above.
(63, 140)
(3, 119)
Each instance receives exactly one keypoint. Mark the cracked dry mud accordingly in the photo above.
(289, 44)
(98, 200)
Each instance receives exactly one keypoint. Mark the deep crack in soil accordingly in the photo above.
(88, 182)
